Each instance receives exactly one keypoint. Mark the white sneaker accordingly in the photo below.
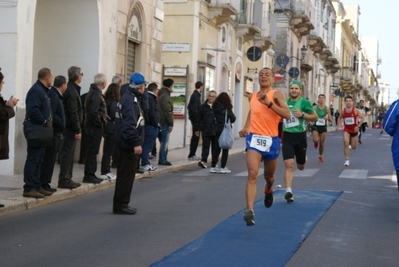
(350, 147)
(147, 168)
(108, 176)
(224, 170)
(214, 170)
(346, 162)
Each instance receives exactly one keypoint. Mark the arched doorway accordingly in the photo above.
(66, 33)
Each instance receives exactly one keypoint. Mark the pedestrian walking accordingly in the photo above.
(221, 108)
(262, 141)
(365, 111)
(208, 128)
(129, 122)
(193, 107)
(6, 113)
(295, 140)
(336, 116)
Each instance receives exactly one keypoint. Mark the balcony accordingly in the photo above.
(326, 53)
(248, 31)
(346, 81)
(268, 37)
(221, 10)
(300, 23)
(315, 43)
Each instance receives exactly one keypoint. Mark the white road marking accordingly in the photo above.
(354, 174)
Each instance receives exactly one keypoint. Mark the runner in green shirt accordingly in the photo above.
(319, 126)
(294, 140)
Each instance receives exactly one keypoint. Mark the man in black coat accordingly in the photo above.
(50, 154)
(73, 128)
(38, 112)
(128, 125)
(95, 121)
(207, 127)
(194, 106)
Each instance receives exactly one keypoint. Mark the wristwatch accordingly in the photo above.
(270, 104)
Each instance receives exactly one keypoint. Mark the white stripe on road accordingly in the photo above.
(305, 172)
(354, 174)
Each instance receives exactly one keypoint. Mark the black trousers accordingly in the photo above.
(50, 155)
(125, 175)
(207, 142)
(94, 135)
(108, 150)
(67, 156)
(193, 143)
(83, 146)
(216, 153)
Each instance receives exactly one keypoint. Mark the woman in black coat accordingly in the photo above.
(6, 113)
(221, 105)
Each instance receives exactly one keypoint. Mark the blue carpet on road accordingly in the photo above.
(277, 234)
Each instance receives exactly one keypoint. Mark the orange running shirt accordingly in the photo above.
(264, 121)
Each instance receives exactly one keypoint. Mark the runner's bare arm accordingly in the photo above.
(245, 131)
(361, 116)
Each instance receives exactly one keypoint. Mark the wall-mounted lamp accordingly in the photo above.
(250, 70)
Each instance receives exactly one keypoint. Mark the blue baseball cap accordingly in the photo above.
(137, 79)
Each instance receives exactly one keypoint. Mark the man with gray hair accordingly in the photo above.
(96, 119)
(73, 131)
(118, 80)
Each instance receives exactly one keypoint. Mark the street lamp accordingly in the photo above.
(303, 54)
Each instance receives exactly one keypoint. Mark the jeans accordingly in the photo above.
(50, 155)
(67, 156)
(193, 143)
(94, 135)
(151, 134)
(108, 150)
(34, 159)
(163, 150)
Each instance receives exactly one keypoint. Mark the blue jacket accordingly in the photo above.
(128, 122)
(38, 109)
(391, 126)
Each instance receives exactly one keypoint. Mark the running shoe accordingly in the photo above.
(289, 197)
(346, 162)
(202, 164)
(381, 131)
(214, 170)
(147, 168)
(316, 145)
(249, 216)
(321, 159)
(108, 176)
(268, 201)
(350, 147)
(224, 170)
(360, 141)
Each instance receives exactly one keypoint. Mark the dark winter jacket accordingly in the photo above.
(165, 107)
(57, 109)
(193, 107)
(220, 112)
(143, 99)
(153, 114)
(111, 110)
(207, 120)
(38, 110)
(95, 108)
(6, 113)
(128, 122)
(73, 108)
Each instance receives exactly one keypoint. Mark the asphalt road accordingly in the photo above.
(360, 229)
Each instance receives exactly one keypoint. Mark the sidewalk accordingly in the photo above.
(11, 187)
